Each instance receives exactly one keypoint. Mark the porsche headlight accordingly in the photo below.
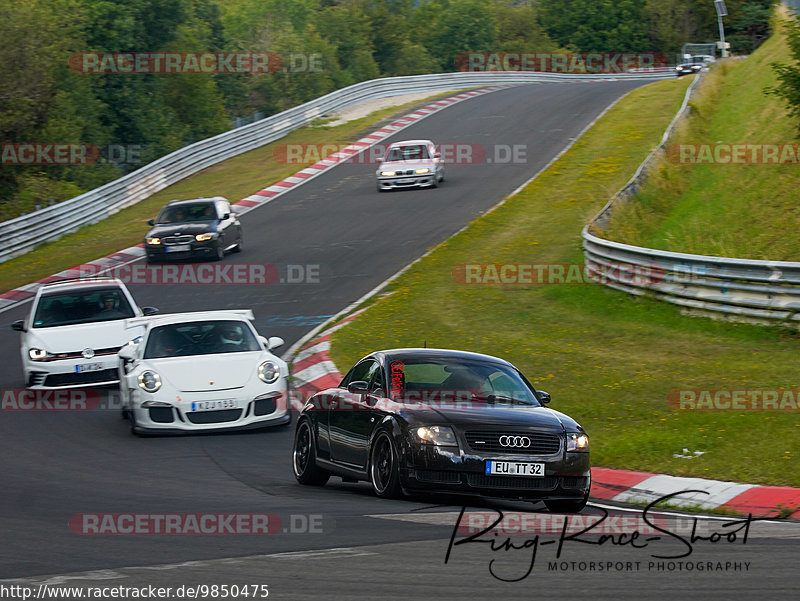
(269, 372)
(438, 435)
(577, 442)
(204, 237)
(153, 241)
(149, 381)
(37, 354)
(423, 170)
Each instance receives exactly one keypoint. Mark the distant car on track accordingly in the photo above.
(409, 164)
(443, 421)
(207, 370)
(690, 67)
(74, 331)
(196, 228)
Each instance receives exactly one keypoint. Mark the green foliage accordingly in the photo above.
(789, 74)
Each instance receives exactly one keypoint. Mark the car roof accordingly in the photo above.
(404, 354)
(190, 201)
(410, 143)
(161, 319)
(80, 284)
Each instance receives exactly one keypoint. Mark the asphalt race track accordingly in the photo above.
(335, 542)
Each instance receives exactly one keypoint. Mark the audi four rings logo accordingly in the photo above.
(515, 441)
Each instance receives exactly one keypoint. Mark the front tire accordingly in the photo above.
(220, 252)
(304, 457)
(384, 470)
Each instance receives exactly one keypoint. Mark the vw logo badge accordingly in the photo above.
(520, 442)
(87, 353)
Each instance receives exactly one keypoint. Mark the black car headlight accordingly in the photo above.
(269, 372)
(149, 381)
(153, 241)
(205, 237)
(436, 435)
(577, 441)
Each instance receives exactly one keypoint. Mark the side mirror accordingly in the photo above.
(226, 216)
(544, 397)
(437, 155)
(151, 222)
(149, 311)
(358, 387)
(274, 342)
(127, 353)
(19, 325)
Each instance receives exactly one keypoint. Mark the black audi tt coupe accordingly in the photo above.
(448, 421)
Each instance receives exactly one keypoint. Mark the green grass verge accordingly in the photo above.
(747, 211)
(608, 359)
(234, 179)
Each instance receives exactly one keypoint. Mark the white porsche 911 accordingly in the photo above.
(207, 370)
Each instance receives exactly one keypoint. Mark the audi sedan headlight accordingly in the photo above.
(387, 173)
(577, 442)
(149, 381)
(152, 241)
(423, 170)
(437, 435)
(269, 372)
(204, 237)
(37, 354)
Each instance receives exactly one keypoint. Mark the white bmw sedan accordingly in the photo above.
(207, 370)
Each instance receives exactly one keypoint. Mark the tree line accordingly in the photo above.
(131, 119)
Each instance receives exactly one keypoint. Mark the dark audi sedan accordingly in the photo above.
(432, 420)
(197, 228)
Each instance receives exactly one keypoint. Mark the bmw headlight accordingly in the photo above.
(438, 435)
(269, 372)
(423, 170)
(149, 381)
(387, 173)
(577, 442)
(153, 241)
(204, 237)
(37, 354)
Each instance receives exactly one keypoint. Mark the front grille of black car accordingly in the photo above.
(87, 377)
(183, 239)
(439, 476)
(574, 482)
(486, 481)
(161, 415)
(214, 417)
(488, 442)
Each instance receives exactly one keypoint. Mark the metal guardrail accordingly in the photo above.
(24, 233)
(757, 290)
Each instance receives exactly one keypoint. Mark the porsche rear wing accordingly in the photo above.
(181, 317)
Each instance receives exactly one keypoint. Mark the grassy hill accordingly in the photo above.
(734, 210)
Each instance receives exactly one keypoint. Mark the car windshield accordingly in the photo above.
(81, 306)
(202, 211)
(407, 153)
(200, 338)
(457, 379)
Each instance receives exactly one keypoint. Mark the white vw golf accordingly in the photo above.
(74, 331)
(206, 370)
